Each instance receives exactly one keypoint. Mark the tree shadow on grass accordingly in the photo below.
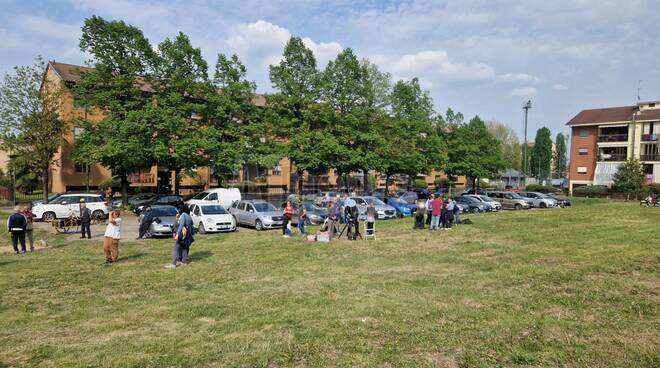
(132, 256)
(197, 256)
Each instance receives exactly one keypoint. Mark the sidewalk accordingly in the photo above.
(129, 230)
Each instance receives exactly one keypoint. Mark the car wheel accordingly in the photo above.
(517, 207)
(98, 215)
(399, 214)
(543, 205)
(147, 234)
(258, 225)
(48, 216)
(201, 229)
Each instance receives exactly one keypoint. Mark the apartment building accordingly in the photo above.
(601, 139)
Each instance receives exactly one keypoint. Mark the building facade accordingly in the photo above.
(602, 139)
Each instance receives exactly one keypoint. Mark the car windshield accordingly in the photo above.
(213, 210)
(515, 195)
(396, 201)
(264, 207)
(164, 211)
(201, 195)
(374, 200)
(471, 199)
(486, 198)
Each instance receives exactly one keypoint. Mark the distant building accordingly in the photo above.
(601, 139)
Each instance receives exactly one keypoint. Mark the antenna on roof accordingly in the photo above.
(639, 83)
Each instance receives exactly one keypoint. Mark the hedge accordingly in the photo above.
(540, 188)
(591, 189)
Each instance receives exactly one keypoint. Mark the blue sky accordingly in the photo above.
(480, 57)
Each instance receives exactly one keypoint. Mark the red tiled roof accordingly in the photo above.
(606, 115)
(69, 72)
(651, 114)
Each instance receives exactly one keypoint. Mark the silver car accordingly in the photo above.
(260, 214)
(164, 220)
(383, 211)
(315, 215)
(496, 206)
(540, 200)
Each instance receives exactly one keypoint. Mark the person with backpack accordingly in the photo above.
(85, 221)
(16, 225)
(183, 238)
(29, 228)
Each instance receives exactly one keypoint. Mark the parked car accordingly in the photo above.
(403, 208)
(51, 198)
(409, 197)
(315, 215)
(67, 205)
(509, 200)
(310, 195)
(422, 193)
(164, 221)
(161, 200)
(325, 198)
(491, 204)
(211, 218)
(562, 201)
(136, 200)
(222, 196)
(474, 204)
(383, 211)
(478, 191)
(540, 200)
(260, 214)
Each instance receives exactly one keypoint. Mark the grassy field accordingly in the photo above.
(575, 287)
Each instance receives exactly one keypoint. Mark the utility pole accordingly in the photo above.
(526, 106)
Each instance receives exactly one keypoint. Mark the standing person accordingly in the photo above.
(29, 228)
(449, 216)
(428, 209)
(111, 237)
(443, 214)
(183, 238)
(371, 216)
(16, 225)
(287, 213)
(302, 217)
(436, 208)
(457, 213)
(419, 215)
(145, 223)
(85, 221)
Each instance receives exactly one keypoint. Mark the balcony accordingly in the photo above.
(613, 138)
(141, 178)
(612, 157)
(655, 157)
(649, 137)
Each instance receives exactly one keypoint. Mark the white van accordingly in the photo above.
(222, 196)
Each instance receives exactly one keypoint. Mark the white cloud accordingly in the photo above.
(46, 28)
(523, 92)
(261, 43)
(559, 87)
(436, 67)
(521, 77)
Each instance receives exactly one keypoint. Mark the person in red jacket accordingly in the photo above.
(436, 209)
(288, 217)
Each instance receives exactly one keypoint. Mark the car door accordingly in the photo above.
(213, 197)
(251, 213)
(241, 213)
(195, 215)
(72, 206)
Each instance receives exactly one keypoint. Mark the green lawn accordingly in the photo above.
(575, 287)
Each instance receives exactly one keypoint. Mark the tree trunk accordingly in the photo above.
(387, 185)
(45, 178)
(301, 178)
(365, 179)
(176, 183)
(123, 176)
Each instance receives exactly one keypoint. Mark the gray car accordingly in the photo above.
(260, 214)
(163, 221)
(383, 210)
(315, 215)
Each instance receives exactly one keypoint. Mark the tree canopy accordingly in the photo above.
(541, 155)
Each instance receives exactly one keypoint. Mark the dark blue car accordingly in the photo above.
(403, 208)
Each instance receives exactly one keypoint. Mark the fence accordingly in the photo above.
(8, 195)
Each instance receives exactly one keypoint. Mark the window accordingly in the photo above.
(242, 206)
(583, 133)
(81, 168)
(196, 211)
(652, 104)
(212, 197)
(582, 170)
(277, 170)
(583, 151)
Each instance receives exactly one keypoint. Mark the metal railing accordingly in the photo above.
(613, 157)
(655, 157)
(613, 138)
(649, 137)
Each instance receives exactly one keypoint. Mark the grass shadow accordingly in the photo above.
(197, 256)
(133, 256)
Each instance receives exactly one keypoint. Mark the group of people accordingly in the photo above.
(21, 226)
(441, 213)
(651, 200)
(346, 212)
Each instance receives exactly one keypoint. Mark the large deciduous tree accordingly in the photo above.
(121, 85)
(473, 151)
(541, 155)
(30, 125)
(509, 143)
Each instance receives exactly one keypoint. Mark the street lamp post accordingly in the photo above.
(526, 106)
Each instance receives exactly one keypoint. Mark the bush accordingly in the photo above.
(652, 188)
(591, 189)
(420, 184)
(540, 188)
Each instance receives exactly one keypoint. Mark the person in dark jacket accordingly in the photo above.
(146, 221)
(85, 221)
(16, 225)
